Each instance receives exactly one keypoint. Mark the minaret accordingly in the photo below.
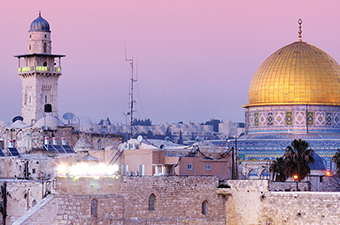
(39, 71)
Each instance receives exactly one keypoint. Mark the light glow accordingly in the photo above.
(85, 169)
(328, 173)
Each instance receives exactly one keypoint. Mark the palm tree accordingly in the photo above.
(277, 169)
(336, 159)
(297, 157)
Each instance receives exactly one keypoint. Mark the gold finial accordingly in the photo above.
(300, 31)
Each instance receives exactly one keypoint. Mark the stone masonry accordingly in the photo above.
(125, 201)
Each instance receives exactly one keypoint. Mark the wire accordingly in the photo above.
(102, 93)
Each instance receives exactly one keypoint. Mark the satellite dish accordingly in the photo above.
(140, 138)
(68, 116)
(17, 118)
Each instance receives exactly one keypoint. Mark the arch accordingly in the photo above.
(45, 47)
(45, 63)
(34, 202)
(252, 175)
(265, 174)
(152, 202)
(94, 207)
(205, 207)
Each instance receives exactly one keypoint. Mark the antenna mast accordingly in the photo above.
(131, 92)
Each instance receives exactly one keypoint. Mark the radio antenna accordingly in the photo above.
(132, 101)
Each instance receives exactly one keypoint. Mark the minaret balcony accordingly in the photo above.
(32, 69)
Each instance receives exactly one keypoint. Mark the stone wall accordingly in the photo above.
(300, 208)
(250, 202)
(178, 201)
(21, 196)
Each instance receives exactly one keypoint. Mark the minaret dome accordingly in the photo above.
(40, 24)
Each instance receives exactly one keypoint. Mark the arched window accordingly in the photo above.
(45, 48)
(94, 207)
(152, 202)
(205, 207)
(34, 203)
(45, 63)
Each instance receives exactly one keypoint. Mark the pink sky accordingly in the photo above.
(195, 58)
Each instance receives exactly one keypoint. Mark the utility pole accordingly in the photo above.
(236, 161)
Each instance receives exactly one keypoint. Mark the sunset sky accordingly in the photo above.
(194, 59)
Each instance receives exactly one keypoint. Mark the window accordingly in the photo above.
(29, 47)
(45, 63)
(94, 207)
(45, 36)
(33, 171)
(152, 202)
(207, 166)
(99, 144)
(45, 98)
(205, 207)
(189, 166)
(45, 48)
(34, 203)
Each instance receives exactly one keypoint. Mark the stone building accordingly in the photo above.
(159, 158)
(39, 74)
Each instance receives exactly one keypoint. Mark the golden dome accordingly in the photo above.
(298, 73)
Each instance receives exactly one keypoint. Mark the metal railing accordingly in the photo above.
(39, 69)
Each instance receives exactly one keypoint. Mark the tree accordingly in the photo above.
(149, 135)
(146, 122)
(336, 159)
(180, 139)
(278, 170)
(297, 157)
(168, 133)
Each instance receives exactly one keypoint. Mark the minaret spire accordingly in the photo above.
(300, 31)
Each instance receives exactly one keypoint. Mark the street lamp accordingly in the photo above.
(328, 173)
(296, 177)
